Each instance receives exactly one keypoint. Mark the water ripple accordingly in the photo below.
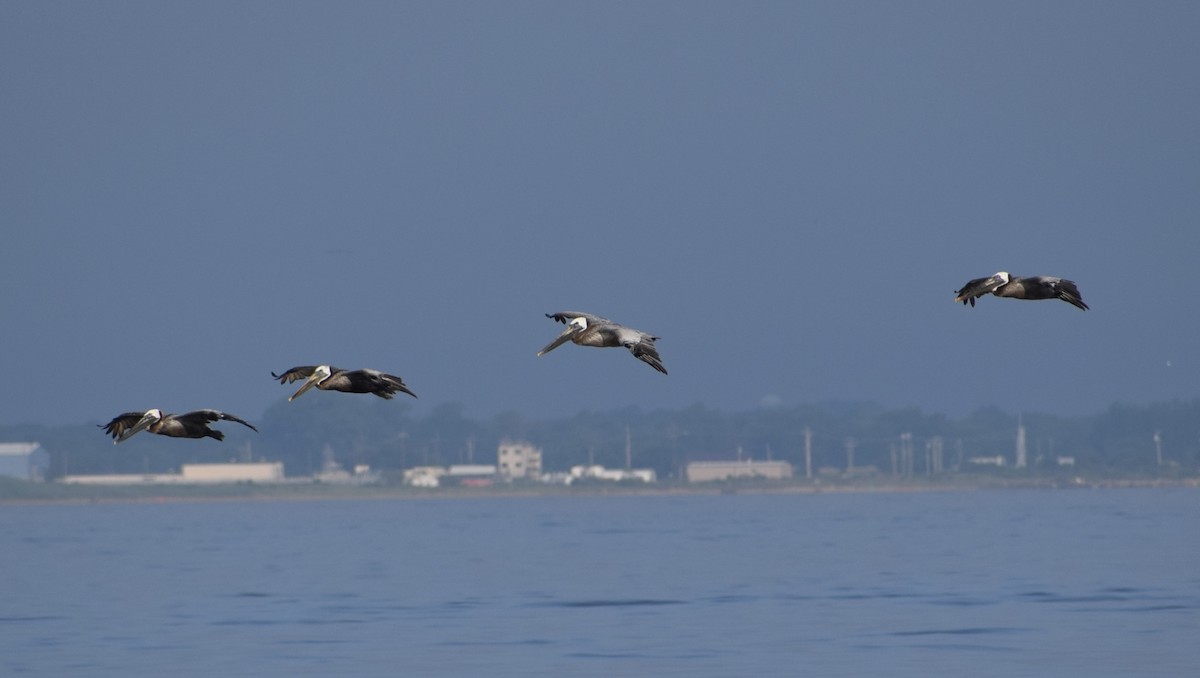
(968, 631)
(618, 602)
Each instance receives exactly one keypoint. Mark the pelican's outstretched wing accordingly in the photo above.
(380, 383)
(977, 288)
(566, 317)
(645, 351)
(121, 423)
(301, 372)
(1069, 293)
(204, 417)
(1053, 287)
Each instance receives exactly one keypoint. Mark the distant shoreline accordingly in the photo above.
(29, 494)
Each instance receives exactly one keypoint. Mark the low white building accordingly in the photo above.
(334, 474)
(616, 475)
(433, 476)
(190, 474)
(470, 470)
(997, 460)
(708, 471)
(424, 476)
(264, 472)
(27, 461)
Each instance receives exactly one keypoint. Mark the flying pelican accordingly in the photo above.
(591, 330)
(1034, 287)
(190, 425)
(328, 378)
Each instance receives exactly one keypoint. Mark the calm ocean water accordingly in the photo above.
(992, 583)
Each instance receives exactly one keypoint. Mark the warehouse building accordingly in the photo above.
(26, 461)
(708, 471)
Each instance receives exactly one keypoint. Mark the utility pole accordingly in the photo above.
(808, 452)
(1020, 443)
(936, 446)
(906, 454)
(673, 432)
(628, 450)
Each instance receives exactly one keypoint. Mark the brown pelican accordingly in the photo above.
(590, 330)
(328, 378)
(190, 425)
(1034, 287)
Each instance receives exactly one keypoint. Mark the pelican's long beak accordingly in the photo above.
(575, 326)
(308, 383)
(145, 421)
(559, 340)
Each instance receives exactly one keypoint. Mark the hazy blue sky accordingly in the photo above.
(193, 194)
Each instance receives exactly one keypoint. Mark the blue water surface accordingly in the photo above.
(985, 583)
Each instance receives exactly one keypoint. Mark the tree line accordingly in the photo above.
(306, 435)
